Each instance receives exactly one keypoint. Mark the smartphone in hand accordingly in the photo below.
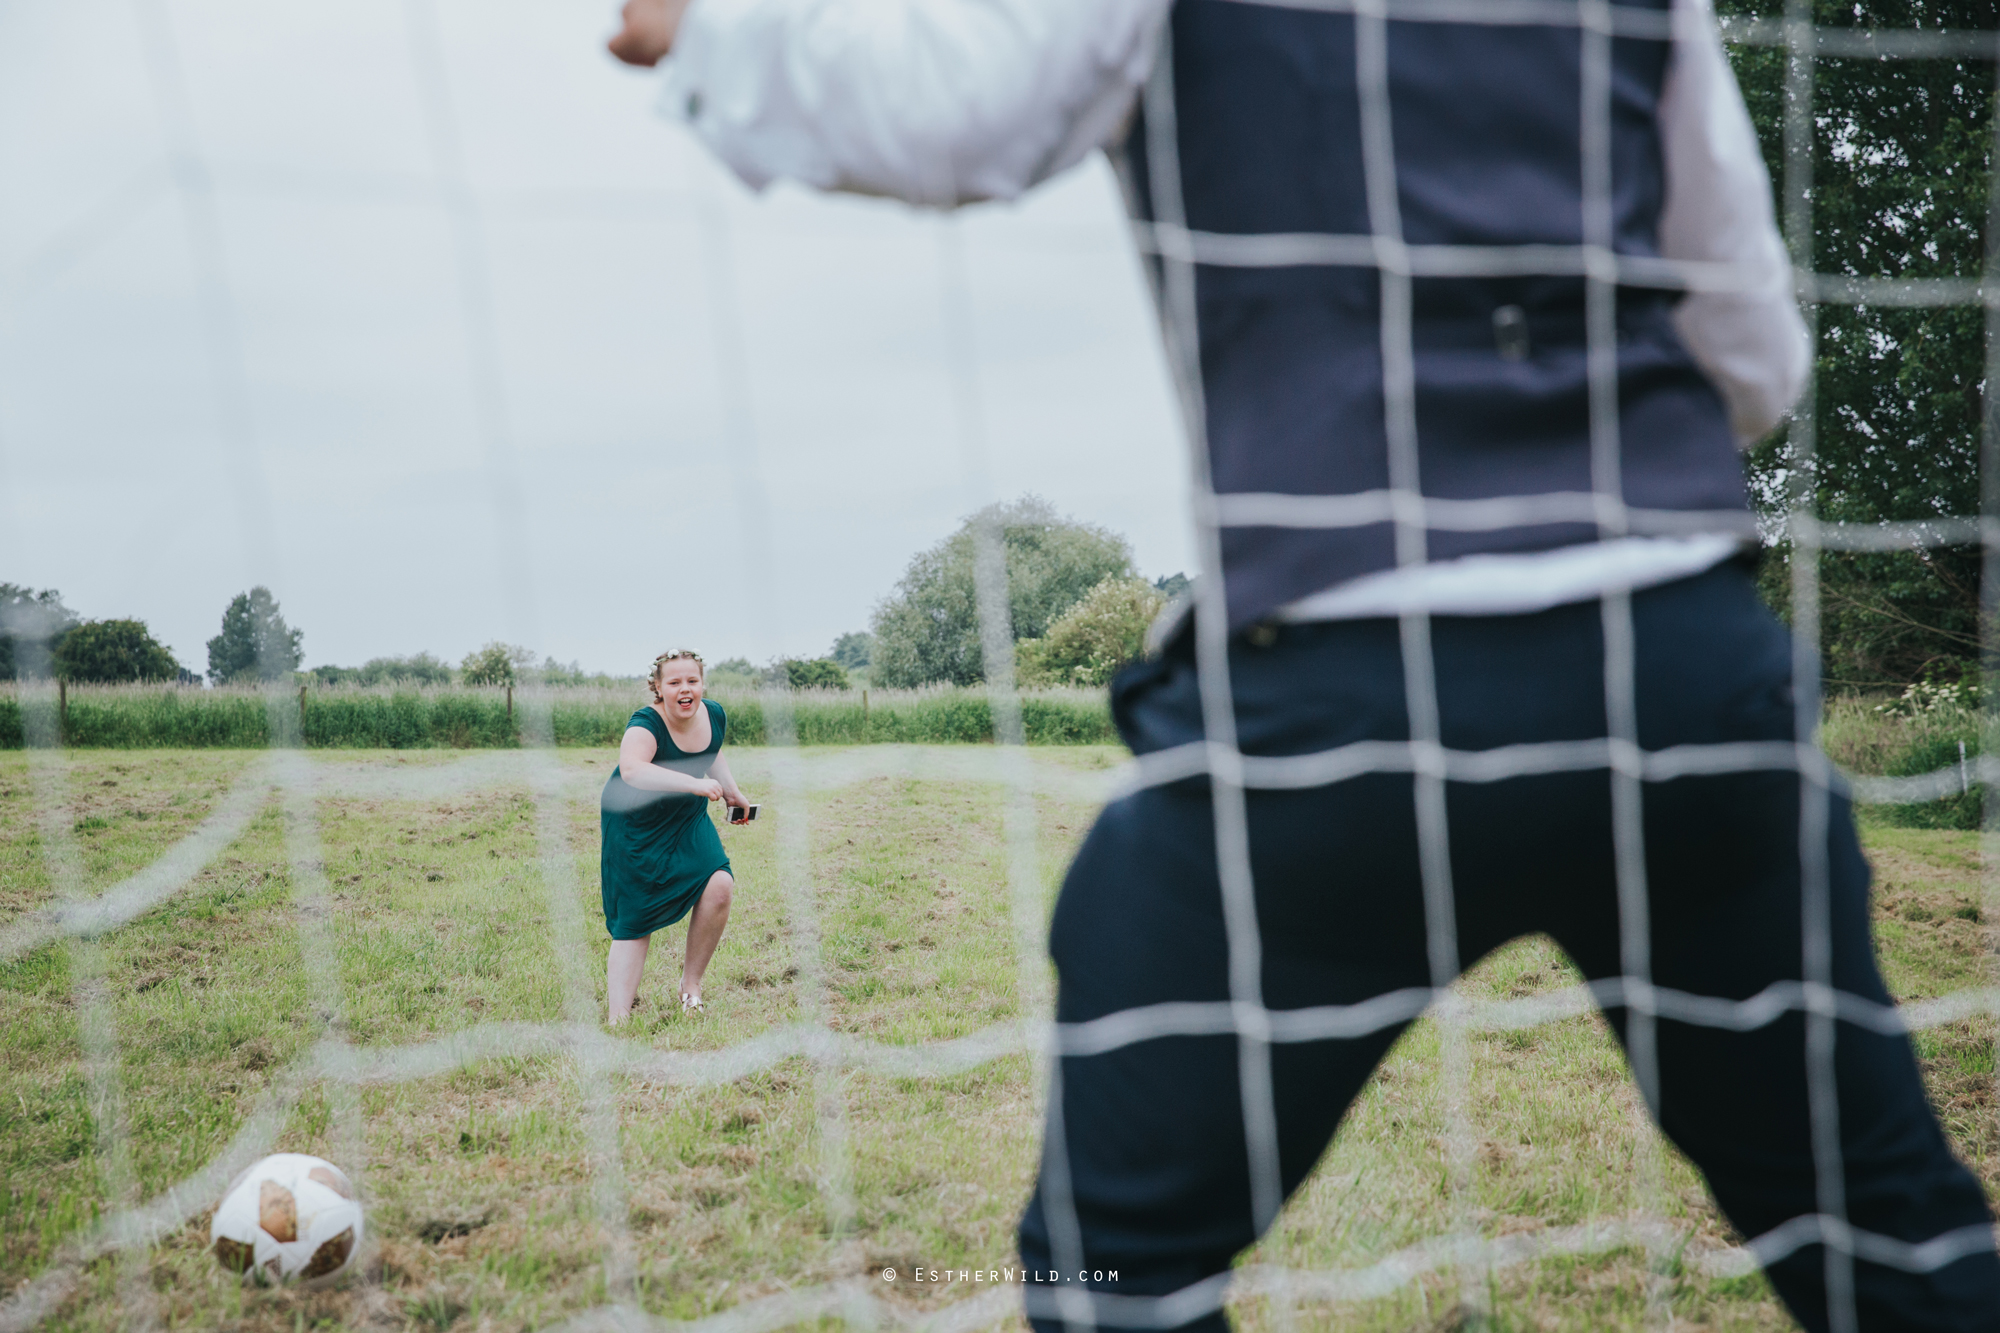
(743, 814)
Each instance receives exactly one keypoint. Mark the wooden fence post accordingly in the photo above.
(62, 712)
(864, 714)
(510, 705)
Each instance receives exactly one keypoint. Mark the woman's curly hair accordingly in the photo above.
(659, 664)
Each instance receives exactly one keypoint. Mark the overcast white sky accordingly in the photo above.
(607, 480)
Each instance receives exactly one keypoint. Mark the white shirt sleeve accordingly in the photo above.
(938, 102)
(1751, 343)
(943, 102)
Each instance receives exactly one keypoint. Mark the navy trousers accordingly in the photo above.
(1154, 1131)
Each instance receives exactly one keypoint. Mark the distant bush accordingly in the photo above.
(818, 673)
(417, 669)
(1091, 640)
(112, 652)
(552, 672)
(732, 673)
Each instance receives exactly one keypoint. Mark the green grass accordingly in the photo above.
(479, 1181)
(137, 717)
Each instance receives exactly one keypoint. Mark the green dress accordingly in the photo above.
(659, 847)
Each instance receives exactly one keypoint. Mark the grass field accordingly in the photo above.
(878, 902)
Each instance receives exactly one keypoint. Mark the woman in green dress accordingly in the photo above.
(662, 858)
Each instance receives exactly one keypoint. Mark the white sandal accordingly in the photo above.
(691, 1004)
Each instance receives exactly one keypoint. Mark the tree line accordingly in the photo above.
(1076, 611)
(1901, 173)
(40, 636)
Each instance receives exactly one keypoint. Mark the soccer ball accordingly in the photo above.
(288, 1216)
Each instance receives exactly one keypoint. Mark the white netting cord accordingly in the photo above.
(1228, 800)
(1989, 581)
(90, 997)
(1815, 796)
(319, 952)
(133, 1228)
(1620, 647)
(596, 1068)
(487, 372)
(836, 1173)
(1398, 353)
(996, 636)
(1036, 1002)
(788, 783)
(201, 221)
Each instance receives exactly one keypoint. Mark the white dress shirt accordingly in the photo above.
(943, 102)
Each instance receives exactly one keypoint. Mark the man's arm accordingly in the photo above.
(1752, 344)
(937, 102)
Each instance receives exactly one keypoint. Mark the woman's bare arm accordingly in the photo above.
(636, 766)
(733, 794)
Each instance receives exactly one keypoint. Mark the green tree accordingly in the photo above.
(1091, 640)
(113, 651)
(1901, 166)
(496, 664)
(255, 643)
(33, 621)
(813, 673)
(853, 650)
(928, 630)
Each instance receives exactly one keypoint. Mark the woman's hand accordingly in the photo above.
(708, 787)
(649, 31)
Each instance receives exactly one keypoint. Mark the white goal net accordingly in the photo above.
(81, 918)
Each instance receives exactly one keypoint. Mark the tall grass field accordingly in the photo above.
(873, 899)
(140, 717)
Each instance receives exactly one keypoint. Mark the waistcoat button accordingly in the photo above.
(1510, 332)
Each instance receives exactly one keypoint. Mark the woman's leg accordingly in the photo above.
(621, 975)
(711, 914)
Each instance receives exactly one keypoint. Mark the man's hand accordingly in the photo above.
(649, 31)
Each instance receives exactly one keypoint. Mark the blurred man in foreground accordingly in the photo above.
(1464, 504)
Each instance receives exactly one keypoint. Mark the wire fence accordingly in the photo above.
(77, 920)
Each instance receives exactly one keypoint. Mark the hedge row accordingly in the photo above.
(137, 718)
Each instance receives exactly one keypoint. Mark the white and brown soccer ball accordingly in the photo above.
(288, 1216)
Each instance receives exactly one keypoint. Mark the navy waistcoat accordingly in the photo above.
(1487, 128)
